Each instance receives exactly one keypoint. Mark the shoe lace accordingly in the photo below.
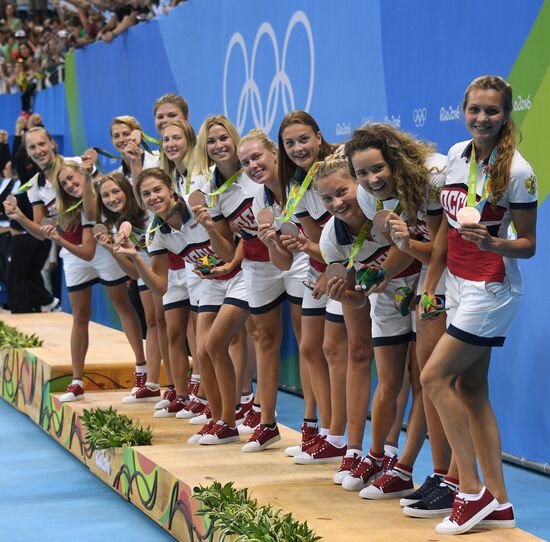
(258, 432)
(73, 388)
(459, 506)
(252, 418)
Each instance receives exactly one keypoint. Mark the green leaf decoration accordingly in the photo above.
(234, 513)
(10, 337)
(106, 428)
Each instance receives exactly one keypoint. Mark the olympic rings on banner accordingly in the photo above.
(420, 116)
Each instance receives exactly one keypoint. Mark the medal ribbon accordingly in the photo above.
(297, 193)
(151, 230)
(472, 181)
(363, 232)
(27, 186)
(225, 186)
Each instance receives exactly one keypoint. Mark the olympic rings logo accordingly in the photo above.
(264, 113)
(420, 116)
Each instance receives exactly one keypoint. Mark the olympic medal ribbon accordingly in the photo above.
(380, 207)
(27, 186)
(472, 180)
(223, 188)
(160, 222)
(363, 232)
(107, 154)
(297, 193)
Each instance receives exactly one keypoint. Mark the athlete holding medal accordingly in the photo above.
(488, 175)
(272, 274)
(301, 145)
(401, 177)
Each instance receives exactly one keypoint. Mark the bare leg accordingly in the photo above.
(393, 436)
(176, 322)
(336, 353)
(229, 320)
(358, 380)
(81, 303)
(311, 351)
(152, 349)
(163, 337)
(209, 383)
(450, 359)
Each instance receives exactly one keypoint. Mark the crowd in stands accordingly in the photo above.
(35, 36)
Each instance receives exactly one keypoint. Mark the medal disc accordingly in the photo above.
(99, 229)
(379, 220)
(197, 199)
(125, 229)
(336, 270)
(468, 215)
(12, 200)
(265, 216)
(48, 222)
(289, 228)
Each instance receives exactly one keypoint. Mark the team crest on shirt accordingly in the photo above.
(531, 185)
(435, 193)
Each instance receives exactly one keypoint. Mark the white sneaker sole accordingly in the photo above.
(163, 403)
(293, 451)
(164, 414)
(131, 399)
(419, 513)
(306, 459)
(251, 447)
(497, 524)
(71, 398)
(201, 419)
(245, 429)
(212, 440)
(446, 527)
(373, 493)
(338, 477)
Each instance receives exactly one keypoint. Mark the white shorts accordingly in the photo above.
(80, 274)
(142, 287)
(177, 295)
(267, 286)
(329, 308)
(480, 313)
(389, 327)
(216, 293)
(194, 286)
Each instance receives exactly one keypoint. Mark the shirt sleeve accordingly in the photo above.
(328, 247)
(523, 187)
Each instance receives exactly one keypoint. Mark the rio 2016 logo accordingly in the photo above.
(263, 109)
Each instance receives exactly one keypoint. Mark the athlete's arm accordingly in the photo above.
(525, 223)
(221, 236)
(308, 243)
(419, 250)
(32, 226)
(156, 276)
(438, 259)
(84, 251)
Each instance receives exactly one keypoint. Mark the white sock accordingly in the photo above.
(351, 451)
(246, 398)
(152, 385)
(141, 369)
(390, 450)
(338, 441)
(256, 408)
(471, 496)
(196, 378)
(77, 381)
(504, 506)
(324, 432)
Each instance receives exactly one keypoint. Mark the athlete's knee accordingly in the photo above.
(472, 392)
(268, 338)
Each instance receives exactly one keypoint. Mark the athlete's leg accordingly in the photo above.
(81, 303)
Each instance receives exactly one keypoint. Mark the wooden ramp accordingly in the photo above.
(159, 479)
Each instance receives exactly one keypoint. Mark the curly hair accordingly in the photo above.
(406, 158)
(132, 212)
(500, 175)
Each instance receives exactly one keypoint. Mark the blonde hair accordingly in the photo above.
(500, 174)
(406, 158)
(168, 165)
(201, 159)
(261, 137)
(128, 120)
(57, 160)
(332, 164)
(63, 199)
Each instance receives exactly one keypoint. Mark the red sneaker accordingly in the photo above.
(364, 474)
(310, 435)
(168, 397)
(262, 437)
(139, 381)
(205, 429)
(193, 387)
(323, 452)
(250, 422)
(348, 464)
(203, 417)
(389, 462)
(220, 433)
(172, 409)
(391, 485)
(74, 392)
(145, 394)
(499, 519)
(193, 408)
(467, 514)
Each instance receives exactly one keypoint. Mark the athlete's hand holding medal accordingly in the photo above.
(292, 239)
(11, 207)
(50, 228)
(132, 151)
(371, 280)
(267, 231)
(399, 232)
(471, 229)
(102, 236)
(89, 159)
(197, 202)
(122, 243)
(336, 281)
